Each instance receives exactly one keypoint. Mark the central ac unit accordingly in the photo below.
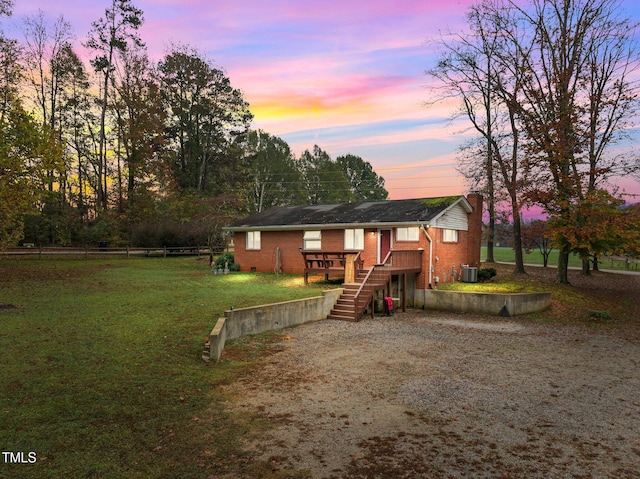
(470, 275)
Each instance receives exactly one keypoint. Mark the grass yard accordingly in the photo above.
(102, 374)
(535, 257)
(601, 300)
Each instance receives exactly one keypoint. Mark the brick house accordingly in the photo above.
(398, 248)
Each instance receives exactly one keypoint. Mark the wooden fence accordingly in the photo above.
(104, 251)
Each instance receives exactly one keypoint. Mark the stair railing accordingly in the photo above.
(358, 263)
(379, 274)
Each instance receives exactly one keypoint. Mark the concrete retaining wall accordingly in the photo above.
(258, 319)
(511, 304)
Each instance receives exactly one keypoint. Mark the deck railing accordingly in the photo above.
(377, 277)
(410, 260)
(320, 260)
(380, 274)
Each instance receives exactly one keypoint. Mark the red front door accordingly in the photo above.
(384, 244)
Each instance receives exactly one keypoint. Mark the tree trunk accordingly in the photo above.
(517, 239)
(491, 230)
(202, 172)
(120, 186)
(562, 276)
(586, 267)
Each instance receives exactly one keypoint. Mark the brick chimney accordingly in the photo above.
(475, 229)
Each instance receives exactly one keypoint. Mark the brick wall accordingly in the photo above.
(370, 253)
(447, 257)
(264, 260)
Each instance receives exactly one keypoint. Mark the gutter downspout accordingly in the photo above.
(430, 254)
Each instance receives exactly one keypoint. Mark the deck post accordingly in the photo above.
(404, 293)
(372, 306)
(349, 268)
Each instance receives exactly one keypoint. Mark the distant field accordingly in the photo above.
(535, 257)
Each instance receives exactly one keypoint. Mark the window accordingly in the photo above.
(253, 239)
(354, 239)
(408, 234)
(449, 236)
(312, 240)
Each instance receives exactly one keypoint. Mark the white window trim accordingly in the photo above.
(448, 231)
(409, 233)
(354, 239)
(312, 240)
(253, 241)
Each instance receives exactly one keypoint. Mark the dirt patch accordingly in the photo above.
(8, 307)
(456, 396)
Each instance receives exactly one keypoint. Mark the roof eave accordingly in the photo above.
(336, 226)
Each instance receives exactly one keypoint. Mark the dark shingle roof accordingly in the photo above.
(420, 210)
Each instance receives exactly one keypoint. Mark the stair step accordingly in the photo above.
(348, 301)
(342, 312)
(341, 317)
(345, 306)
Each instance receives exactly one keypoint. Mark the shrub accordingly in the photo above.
(485, 274)
(227, 258)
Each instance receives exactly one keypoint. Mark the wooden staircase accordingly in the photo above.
(345, 307)
(357, 295)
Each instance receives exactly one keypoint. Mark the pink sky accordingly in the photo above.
(345, 75)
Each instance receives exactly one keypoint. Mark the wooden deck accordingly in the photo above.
(328, 263)
(359, 292)
(333, 263)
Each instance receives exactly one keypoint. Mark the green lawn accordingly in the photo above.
(102, 374)
(535, 257)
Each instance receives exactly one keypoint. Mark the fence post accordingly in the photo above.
(165, 251)
(127, 251)
(86, 251)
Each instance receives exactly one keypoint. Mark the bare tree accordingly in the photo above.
(44, 45)
(562, 70)
(109, 35)
(471, 69)
(577, 57)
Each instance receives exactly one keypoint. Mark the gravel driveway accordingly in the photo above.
(432, 395)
